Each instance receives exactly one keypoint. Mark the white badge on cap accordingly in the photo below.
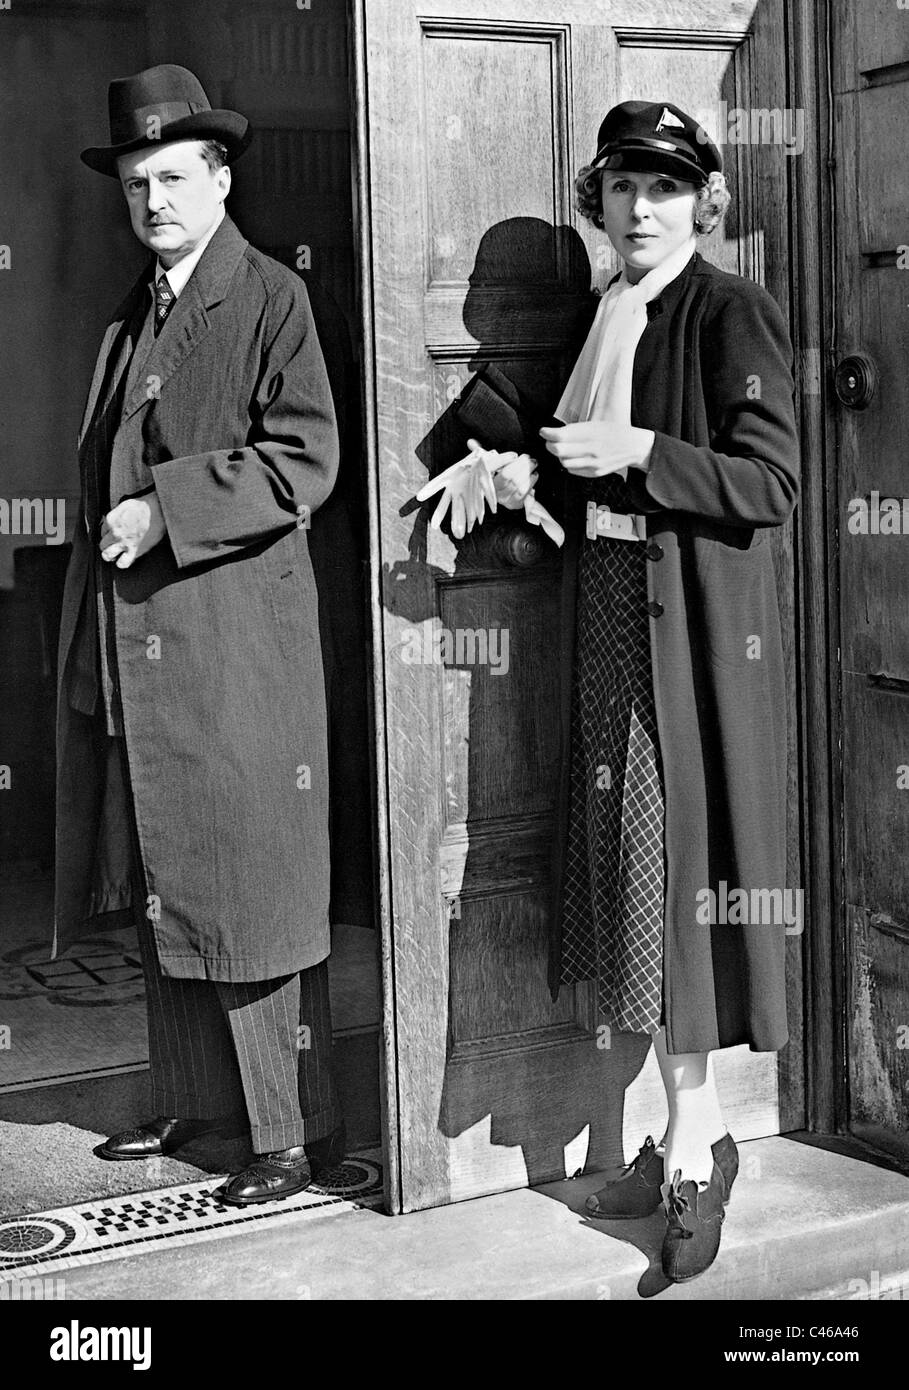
(668, 119)
(618, 526)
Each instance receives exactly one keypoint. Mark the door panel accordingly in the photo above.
(871, 91)
(478, 117)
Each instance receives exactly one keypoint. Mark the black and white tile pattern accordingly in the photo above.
(111, 1227)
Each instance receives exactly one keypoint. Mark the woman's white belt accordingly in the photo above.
(618, 526)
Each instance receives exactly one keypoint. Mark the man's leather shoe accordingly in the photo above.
(155, 1138)
(268, 1178)
(328, 1152)
(694, 1217)
(637, 1193)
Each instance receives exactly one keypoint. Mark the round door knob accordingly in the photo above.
(517, 547)
(855, 381)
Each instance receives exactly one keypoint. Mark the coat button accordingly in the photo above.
(654, 550)
(655, 609)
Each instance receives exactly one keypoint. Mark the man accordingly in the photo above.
(192, 745)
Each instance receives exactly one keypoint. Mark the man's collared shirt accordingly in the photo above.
(178, 274)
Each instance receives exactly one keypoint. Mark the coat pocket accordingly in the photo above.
(293, 607)
(727, 546)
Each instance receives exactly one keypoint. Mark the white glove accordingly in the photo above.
(508, 478)
(537, 515)
(466, 487)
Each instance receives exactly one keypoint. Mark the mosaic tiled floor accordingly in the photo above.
(70, 1019)
(83, 1017)
(48, 1242)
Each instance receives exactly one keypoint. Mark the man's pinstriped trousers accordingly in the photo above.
(257, 1050)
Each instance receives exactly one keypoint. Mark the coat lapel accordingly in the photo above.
(188, 322)
(121, 317)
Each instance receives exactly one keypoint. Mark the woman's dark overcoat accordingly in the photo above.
(713, 379)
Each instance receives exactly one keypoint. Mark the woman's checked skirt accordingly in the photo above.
(612, 903)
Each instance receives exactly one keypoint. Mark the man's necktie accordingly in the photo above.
(164, 302)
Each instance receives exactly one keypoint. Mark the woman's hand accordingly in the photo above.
(515, 480)
(486, 475)
(596, 448)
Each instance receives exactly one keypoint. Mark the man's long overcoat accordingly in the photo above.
(713, 379)
(217, 630)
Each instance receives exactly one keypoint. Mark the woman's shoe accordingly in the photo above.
(726, 1157)
(694, 1216)
(636, 1193)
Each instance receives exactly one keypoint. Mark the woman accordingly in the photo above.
(679, 451)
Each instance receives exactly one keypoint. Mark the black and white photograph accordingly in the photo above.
(454, 666)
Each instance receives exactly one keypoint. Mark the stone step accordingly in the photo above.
(807, 1220)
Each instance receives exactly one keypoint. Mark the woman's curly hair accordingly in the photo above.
(713, 198)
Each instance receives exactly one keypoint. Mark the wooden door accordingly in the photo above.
(871, 349)
(475, 114)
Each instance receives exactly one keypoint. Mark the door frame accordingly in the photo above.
(360, 175)
(824, 26)
(817, 612)
(809, 43)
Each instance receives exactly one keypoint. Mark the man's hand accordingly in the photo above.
(131, 529)
(596, 448)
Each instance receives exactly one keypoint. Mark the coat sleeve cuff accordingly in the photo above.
(211, 509)
(639, 498)
(655, 485)
(734, 490)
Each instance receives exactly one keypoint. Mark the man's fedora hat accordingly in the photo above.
(656, 137)
(160, 104)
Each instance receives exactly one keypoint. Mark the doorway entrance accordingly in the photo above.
(82, 1018)
(467, 120)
